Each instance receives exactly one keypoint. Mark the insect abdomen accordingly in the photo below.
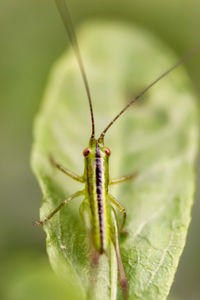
(101, 194)
(97, 188)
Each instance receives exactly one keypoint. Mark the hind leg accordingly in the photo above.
(122, 276)
(85, 214)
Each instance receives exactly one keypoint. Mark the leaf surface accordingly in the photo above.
(157, 136)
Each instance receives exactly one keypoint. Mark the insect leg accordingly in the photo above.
(85, 214)
(61, 205)
(124, 178)
(121, 209)
(122, 276)
(66, 171)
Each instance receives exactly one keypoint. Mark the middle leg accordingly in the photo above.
(121, 209)
(62, 204)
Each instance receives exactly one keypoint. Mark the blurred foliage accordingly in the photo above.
(32, 37)
(28, 276)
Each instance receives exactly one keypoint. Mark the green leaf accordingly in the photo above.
(157, 137)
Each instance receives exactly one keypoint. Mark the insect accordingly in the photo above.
(99, 206)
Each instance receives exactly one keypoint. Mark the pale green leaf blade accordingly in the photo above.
(157, 136)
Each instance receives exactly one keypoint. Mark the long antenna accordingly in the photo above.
(183, 59)
(65, 15)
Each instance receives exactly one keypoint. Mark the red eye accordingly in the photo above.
(107, 151)
(86, 151)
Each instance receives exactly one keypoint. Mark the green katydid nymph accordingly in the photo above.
(99, 206)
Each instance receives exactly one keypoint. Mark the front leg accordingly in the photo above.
(66, 171)
(124, 178)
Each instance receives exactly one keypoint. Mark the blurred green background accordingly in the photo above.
(32, 37)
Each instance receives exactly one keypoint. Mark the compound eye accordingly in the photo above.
(107, 151)
(86, 151)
